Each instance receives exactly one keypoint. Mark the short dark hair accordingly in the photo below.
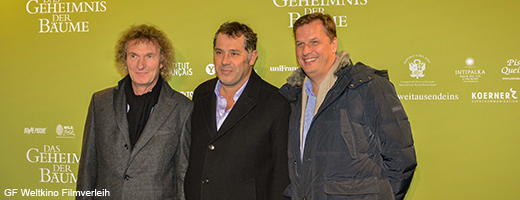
(326, 20)
(145, 33)
(236, 30)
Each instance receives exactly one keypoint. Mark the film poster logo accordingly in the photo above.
(314, 6)
(210, 69)
(57, 164)
(417, 64)
(282, 68)
(188, 94)
(182, 69)
(34, 130)
(58, 14)
(470, 74)
(511, 70)
(428, 97)
(494, 96)
(65, 131)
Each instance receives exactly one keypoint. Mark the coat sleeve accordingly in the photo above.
(87, 172)
(390, 123)
(279, 139)
(182, 155)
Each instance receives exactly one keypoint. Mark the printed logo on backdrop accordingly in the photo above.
(57, 164)
(182, 69)
(511, 70)
(428, 97)
(494, 96)
(65, 131)
(210, 69)
(282, 68)
(314, 6)
(57, 16)
(34, 130)
(417, 64)
(188, 94)
(470, 74)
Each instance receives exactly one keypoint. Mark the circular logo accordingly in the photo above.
(210, 69)
(59, 129)
(470, 61)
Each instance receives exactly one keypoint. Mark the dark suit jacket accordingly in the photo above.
(247, 157)
(155, 167)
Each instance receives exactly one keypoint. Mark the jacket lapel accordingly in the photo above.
(120, 107)
(245, 103)
(160, 113)
(208, 106)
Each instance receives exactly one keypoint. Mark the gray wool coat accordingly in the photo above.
(155, 167)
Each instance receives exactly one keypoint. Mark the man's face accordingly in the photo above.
(143, 62)
(314, 50)
(233, 67)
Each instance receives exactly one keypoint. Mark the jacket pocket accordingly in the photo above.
(247, 191)
(351, 186)
(347, 133)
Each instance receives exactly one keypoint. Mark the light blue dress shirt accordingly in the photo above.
(309, 112)
(221, 113)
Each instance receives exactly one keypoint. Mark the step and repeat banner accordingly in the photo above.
(455, 66)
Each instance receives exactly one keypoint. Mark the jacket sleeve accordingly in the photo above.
(391, 126)
(87, 172)
(182, 155)
(279, 139)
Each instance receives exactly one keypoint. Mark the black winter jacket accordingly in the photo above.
(359, 144)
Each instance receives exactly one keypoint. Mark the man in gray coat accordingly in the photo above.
(349, 136)
(137, 134)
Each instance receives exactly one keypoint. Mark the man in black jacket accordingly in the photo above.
(239, 126)
(349, 135)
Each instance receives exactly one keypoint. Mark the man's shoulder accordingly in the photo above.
(290, 92)
(206, 86)
(268, 87)
(270, 91)
(361, 70)
(105, 93)
(176, 95)
(359, 74)
(181, 99)
(110, 91)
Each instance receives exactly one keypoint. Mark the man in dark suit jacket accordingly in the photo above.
(239, 126)
(137, 134)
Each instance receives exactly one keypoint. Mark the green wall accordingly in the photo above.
(467, 144)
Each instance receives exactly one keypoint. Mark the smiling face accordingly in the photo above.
(233, 63)
(143, 62)
(315, 51)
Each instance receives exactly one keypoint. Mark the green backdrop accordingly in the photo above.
(455, 64)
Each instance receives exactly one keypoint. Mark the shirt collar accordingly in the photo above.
(308, 87)
(237, 94)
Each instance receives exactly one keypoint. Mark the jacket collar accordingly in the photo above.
(245, 103)
(164, 107)
(120, 108)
